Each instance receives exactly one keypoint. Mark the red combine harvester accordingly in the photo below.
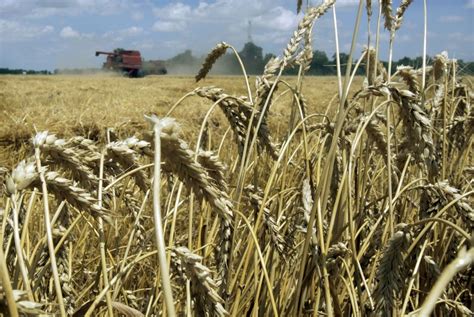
(130, 63)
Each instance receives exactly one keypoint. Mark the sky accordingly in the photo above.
(49, 34)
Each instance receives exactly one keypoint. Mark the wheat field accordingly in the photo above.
(256, 196)
(88, 105)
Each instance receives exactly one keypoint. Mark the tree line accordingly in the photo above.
(20, 71)
(254, 60)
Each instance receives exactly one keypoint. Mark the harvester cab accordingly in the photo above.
(125, 61)
(130, 63)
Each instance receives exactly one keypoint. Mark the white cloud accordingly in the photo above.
(48, 29)
(132, 31)
(173, 17)
(230, 15)
(169, 26)
(119, 36)
(46, 8)
(451, 18)
(280, 19)
(69, 33)
(13, 31)
(274, 37)
(137, 16)
(215, 12)
(175, 11)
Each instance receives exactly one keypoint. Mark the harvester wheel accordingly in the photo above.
(140, 73)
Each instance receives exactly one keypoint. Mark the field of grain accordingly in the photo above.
(280, 196)
(89, 105)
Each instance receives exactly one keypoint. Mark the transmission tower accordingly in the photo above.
(249, 32)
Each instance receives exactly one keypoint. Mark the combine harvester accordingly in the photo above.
(131, 64)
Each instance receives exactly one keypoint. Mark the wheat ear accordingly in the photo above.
(211, 58)
(205, 287)
(69, 159)
(390, 273)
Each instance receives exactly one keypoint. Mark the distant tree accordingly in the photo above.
(255, 61)
(268, 57)
(418, 61)
(4, 71)
(407, 61)
(185, 58)
(320, 64)
(252, 57)
(343, 58)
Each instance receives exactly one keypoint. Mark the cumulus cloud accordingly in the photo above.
(121, 37)
(13, 31)
(173, 17)
(229, 15)
(46, 8)
(215, 12)
(174, 11)
(165, 28)
(132, 31)
(277, 18)
(69, 33)
(169, 26)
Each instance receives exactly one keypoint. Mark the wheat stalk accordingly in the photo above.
(65, 189)
(463, 206)
(238, 114)
(304, 27)
(69, 158)
(398, 19)
(24, 306)
(122, 152)
(464, 259)
(38, 140)
(419, 135)
(204, 287)
(390, 273)
(387, 13)
(440, 64)
(211, 58)
(409, 75)
(282, 245)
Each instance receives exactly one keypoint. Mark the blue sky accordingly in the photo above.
(48, 34)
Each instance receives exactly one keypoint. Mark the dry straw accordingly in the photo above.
(238, 114)
(204, 287)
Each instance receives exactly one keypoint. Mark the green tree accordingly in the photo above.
(185, 58)
(268, 57)
(319, 64)
(343, 58)
(252, 57)
(407, 61)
